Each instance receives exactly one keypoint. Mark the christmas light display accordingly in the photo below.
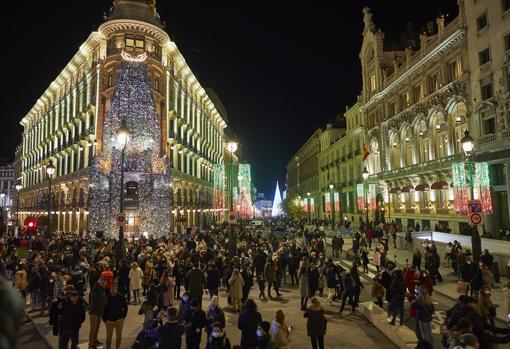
(360, 194)
(276, 211)
(132, 103)
(459, 188)
(336, 200)
(219, 186)
(244, 197)
(327, 202)
(372, 195)
(482, 174)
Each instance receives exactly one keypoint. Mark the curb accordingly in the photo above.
(45, 340)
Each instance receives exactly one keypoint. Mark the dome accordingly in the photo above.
(140, 10)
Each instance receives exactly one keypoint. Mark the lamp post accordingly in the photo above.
(331, 186)
(122, 140)
(308, 206)
(18, 188)
(231, 148)
(50, 170)
(468, 145)
(365, 175)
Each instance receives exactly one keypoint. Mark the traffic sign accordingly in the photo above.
(232, 217)
(476, 218)
(121, 219)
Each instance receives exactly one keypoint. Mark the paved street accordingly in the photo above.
(347, 331)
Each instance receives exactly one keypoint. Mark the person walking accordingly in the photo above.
(378, 290)
(169, 335)
(398, 293)
(236, 284)
(304, 282)
(114, 314)
(376, 259)
(248, 320)
(316, 323)
(197, 280)
(135, 281)
(424, 309)
(123, 280)
(167, 284)
(270, 276)
(417, 259)
(97, 305)
(279, 331)
(213, 279)
(20, 280)
(71, 315)
(194, 321)
(218, 339)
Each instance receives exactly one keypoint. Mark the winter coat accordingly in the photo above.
(304, 283)
(270, 273)
(116, 308)
(376, 258)
(97, 301)
(167, 289)
(313, 280)
(377, 290)
(218, 343)
(321, 269)
(168, 336)
(196, 279)
(247, 322)
(280, 335)
(71, 316)
(316, 321)
(213, 279)
(236, 286)
(135, 278)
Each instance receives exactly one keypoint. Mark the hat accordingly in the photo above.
(265, 326)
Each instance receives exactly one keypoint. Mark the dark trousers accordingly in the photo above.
(269, 284)
(351, 300)
(293, 278)
(317, 341)
(66, 336)
(177, 290)
(379, 302)
(193, 341)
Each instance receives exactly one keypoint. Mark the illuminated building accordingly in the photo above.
(67, 125)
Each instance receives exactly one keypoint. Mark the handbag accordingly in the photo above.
(462, 287)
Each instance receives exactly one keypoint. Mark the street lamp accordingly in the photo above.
(365, 175)
(308, 206)
(232, 148)
(122, 140)
(18, 188)
(50, 170)
(331, 186)
(468, 144)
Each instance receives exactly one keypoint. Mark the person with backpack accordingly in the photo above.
(194, 321)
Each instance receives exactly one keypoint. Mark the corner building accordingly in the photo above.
(67, 125)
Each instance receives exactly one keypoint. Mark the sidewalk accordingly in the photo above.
(447, 288)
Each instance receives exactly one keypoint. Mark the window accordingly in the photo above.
(391, 109)
(417, 93)
(484, 56)
(372, 83)
(488, 121)
(505, 4)
(433, 83)
(507, 42)
(454, 70)
(481, 22)
(156, 83)
(486, 89)
(157, 50)
(109, 82)
(135, 43)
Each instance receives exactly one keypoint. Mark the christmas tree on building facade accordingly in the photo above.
(147, 181)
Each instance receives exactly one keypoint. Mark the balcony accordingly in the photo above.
(424, 167)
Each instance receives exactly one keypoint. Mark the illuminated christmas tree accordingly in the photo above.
(133, 104)
(276, 211)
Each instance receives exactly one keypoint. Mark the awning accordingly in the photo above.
(440, 186)
(422, 187)
(407, 189)
(395, 190)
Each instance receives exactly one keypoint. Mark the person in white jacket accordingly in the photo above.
(376, 259)
(135, 281)
(279, 331)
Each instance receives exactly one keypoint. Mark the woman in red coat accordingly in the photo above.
(426, 280)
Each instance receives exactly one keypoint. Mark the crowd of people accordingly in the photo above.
(167, 278)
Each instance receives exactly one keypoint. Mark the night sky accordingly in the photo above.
(281, 72)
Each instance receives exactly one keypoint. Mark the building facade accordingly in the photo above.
(68, 124)
(488, 39)
(8, 194)
(303, 176)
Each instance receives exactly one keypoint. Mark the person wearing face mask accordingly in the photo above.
(214, 315)
(184, 307)
(169, 335)
(218, 339)
(264, 340)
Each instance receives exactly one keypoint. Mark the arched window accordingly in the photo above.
(395, 159)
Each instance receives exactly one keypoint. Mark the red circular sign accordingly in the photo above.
(476, 218)
(232, 217)
(121, 219)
